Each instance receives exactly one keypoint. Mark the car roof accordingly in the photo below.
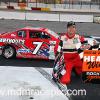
(33, 28)
(39, 29)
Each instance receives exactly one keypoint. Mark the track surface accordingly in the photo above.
(83, 28)
(93, 90)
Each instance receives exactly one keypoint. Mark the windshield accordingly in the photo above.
(53, 33)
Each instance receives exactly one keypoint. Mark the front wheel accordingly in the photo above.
(9, 52)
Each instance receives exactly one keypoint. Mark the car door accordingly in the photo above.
(21, 50)
(38, 43)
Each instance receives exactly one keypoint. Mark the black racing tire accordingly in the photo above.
(9, 52)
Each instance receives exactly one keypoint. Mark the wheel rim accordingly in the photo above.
(8, 52)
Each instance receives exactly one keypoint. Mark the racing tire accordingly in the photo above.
(9, 52)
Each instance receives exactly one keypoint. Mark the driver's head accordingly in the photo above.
(71, 29)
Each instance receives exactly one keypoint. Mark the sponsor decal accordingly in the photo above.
(23, 51)
(12, 40)
(52, 42)
(91, 66)
(75, 40)
(43, 52)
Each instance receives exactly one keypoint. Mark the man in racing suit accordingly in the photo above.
(70, 43)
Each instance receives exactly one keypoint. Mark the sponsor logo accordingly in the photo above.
(75, 40)
(91, 66)
(12, 40)
(52, 42)
(23, 51)
(91, 60)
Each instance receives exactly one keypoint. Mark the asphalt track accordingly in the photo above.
(82, 28)
(93, 90)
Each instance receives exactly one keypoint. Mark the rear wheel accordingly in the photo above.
(9, 52)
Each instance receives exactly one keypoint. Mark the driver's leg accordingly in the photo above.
(78, 65)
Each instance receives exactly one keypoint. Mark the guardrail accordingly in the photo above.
(61, 17)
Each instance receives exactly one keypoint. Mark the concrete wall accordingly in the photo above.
(45, 16)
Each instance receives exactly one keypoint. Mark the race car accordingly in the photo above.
(29, 42)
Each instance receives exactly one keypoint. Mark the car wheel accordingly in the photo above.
(9, 52)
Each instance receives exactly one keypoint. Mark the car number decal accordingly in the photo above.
(39, 44)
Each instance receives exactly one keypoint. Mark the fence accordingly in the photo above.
(65, 4)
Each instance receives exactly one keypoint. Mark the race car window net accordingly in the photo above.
(38, 34)
(52, 33)
(21, 34)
